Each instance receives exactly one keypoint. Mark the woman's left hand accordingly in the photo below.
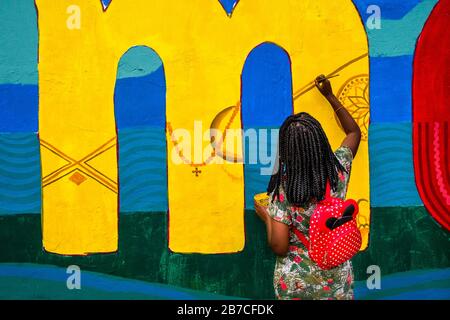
(261, 211)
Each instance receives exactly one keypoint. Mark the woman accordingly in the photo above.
(306, 163)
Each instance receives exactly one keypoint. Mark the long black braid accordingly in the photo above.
(305, 161)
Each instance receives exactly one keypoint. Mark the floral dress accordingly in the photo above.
(296, 277)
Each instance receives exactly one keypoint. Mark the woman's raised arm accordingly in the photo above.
(351, 128)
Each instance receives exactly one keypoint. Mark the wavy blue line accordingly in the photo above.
(143, 150)
(155, 138)
(391, 170)
(19, 185)
(426, 294)
(395, 182)
(20, 162)
(18, 174)
(407, 280)
(20, 153)
(149, 160)
(9, 143)
(131, 189)
(142, 130)
(399, 200)
(387, 129)
(142, 182)
(34, 208)
(14, 136)
(379, 201)
(394, 136)
(391, 150)
(127, 190)
(26, 196)
(132, 172)
(152, 133)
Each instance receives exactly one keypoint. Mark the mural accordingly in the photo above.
(79, 154)
(95, 171)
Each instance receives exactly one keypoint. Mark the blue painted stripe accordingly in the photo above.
(392, 179)
(427, 294)
(390, 9)
(18, 108)
(141, 101)
(390, 89)
(420, 284)
(142, 170)
(20, 173)
(266, 103)
(100, 282)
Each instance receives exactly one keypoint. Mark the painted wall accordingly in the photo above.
(135, 83)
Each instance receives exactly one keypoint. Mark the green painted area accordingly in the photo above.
(144, 255)
(402, 239)
(398, 37)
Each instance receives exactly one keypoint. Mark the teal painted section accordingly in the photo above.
(138, 62)
(398, 37)
(18, 42)
(20, 174)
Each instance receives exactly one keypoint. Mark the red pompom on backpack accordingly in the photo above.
(334, 237)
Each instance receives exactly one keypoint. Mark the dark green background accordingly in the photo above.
(402, 239)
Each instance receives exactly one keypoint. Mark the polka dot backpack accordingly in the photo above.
(334, 237)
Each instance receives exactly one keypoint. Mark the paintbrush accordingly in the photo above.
(327, 78)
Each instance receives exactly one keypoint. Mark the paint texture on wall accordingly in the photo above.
(432, 115)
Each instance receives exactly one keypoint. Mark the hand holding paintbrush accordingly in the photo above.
(324, 85)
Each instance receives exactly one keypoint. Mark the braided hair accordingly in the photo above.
(305, 161)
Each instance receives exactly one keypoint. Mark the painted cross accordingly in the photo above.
(196, 172)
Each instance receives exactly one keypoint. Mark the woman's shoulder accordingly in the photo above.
(344, 154)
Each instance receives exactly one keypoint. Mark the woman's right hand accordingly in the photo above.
(351, 128)
(324, 86)
(261, 211)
